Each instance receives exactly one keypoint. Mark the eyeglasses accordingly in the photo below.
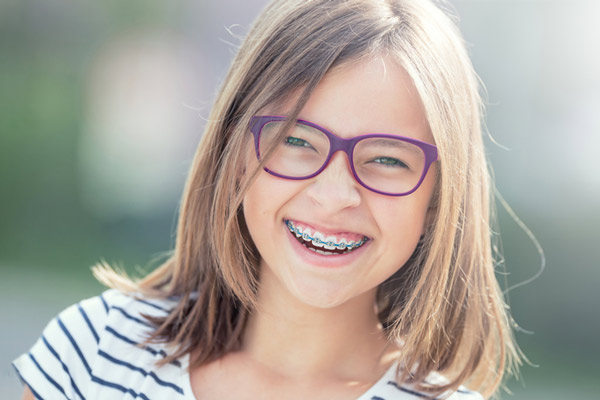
(391, 165)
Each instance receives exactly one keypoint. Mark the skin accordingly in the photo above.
(315, 333)
(27, 395)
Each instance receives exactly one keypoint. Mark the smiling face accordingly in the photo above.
(372, 96)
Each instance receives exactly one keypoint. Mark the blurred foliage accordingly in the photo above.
(46, 50)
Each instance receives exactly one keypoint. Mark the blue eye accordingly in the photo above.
(390, 162)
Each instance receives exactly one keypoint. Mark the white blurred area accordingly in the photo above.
(140, 125)
(540, 62)
(571, 94)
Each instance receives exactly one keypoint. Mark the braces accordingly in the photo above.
(341, 246)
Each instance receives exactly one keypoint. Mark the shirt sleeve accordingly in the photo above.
(59, 365)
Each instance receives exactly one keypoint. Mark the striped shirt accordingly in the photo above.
(91, 351)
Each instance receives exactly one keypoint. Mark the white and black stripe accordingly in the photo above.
(93, 351)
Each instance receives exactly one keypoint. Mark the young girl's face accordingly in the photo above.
(372, 96)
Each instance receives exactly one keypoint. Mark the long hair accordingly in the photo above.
(444, 305)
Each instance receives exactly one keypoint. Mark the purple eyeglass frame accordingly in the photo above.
(347, 146)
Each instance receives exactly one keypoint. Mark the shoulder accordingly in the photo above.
(388, 389)
(394, 391)
(96, 346)
(462, 393)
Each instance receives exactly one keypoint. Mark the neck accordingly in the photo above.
(296, 339)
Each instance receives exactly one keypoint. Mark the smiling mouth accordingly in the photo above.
(327, 246)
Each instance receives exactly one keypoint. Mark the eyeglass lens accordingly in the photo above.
(384, 164)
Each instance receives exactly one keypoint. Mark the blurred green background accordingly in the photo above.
(102, 104)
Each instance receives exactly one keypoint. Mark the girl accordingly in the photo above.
(334, 234)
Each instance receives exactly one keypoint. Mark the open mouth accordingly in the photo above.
(327, 246)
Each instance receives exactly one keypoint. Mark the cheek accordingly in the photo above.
(403, 220)
(247, 166)
(402, 223)
(264, 199)
(255, 200)
(255, 206)
(253, 215)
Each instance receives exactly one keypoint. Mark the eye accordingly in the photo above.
(296, 142)
(390, 162)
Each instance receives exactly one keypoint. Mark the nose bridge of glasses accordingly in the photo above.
(340, 144)
(345, 145)
(337, 145)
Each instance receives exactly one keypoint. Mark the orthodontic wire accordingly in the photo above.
(341, 246)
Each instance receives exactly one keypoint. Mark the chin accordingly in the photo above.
(323, 295)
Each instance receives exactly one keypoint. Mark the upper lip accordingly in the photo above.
(326, 230)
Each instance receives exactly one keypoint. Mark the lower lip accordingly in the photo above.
(320, 260)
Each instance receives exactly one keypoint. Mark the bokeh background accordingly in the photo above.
(102, 104)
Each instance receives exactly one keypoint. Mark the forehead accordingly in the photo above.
(368, 96)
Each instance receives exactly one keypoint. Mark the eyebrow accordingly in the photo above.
(308, 128)
(305, 126)
(397, 143)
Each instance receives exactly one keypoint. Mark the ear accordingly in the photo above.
(243, 166)
(429, 218)
(432, 207)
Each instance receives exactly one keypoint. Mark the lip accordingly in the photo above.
(320, 260)
(326, 231)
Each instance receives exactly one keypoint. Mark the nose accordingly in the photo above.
(335, 187)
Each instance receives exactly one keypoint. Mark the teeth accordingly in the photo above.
(306, 233)
(295, 230)
(325, 253)
(330, 243)
(319, 240)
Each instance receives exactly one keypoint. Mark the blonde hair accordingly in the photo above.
(444, 304)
